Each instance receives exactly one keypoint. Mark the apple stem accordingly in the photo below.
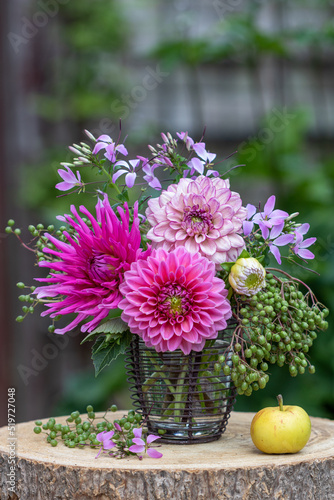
(280, 401)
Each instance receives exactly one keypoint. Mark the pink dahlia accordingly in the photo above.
(202, 215)
(87, 270)
(173, 300)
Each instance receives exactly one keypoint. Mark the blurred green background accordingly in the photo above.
(258, 75)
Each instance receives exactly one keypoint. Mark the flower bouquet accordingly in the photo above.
(173, 270)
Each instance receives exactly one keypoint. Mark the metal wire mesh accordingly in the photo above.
(188, 398)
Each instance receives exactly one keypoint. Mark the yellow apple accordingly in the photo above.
(282, 429)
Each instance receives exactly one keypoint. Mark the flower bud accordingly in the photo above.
(247, 276)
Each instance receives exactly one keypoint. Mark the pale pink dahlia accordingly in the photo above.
(87, 270)
(174, 301)
(202, 215)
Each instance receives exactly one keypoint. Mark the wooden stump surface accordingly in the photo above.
(230, 468)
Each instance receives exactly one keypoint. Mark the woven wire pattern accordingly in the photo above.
(186, 397)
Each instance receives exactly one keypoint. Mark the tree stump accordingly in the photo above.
(230, 468)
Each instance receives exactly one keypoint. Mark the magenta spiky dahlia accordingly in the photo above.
(173, 300)
(86, 272)
(203, 215)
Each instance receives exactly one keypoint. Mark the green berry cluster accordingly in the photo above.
(276, 326)
(81, 433)
(37, 244)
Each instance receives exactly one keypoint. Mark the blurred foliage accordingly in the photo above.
(85, 71)
(239, 38)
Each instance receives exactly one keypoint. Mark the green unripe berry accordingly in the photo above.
(311, 369)
(293, 370)
(37, 430)
(91, 414)
(89, 409)
(38, 422)
(241, 368)
(262, 382)
(127, 426)
(226, 370)
(75, 414)
(113, 408)
(235, 359)
(253, 362)
(217, 367)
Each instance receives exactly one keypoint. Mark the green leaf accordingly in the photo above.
(103, 354)
(227, 266)
(244, 255)
(114, 326)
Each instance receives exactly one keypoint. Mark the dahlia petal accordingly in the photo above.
(208, 247)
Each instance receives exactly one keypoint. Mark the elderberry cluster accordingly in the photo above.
(276, 326)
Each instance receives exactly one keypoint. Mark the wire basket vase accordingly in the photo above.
(184, 399)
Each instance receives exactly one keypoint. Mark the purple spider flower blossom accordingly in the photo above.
(249, 224)
(130, 176)
(106, 142)
(69, 178)
(185, 138)
(105, 439)
(141, 446)
(300, 246)
(150, 178)
(266, 219)
(197, 164)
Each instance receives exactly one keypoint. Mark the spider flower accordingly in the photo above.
(141, 445)
(202, 215)
(247, 276)
(87, 270)
(173, 300)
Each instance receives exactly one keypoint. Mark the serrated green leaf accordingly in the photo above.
(113, 326)
(103, 356)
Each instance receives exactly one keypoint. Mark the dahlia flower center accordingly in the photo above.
(197, 219)
(174, 301)
(100, 269)
(252, 280)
